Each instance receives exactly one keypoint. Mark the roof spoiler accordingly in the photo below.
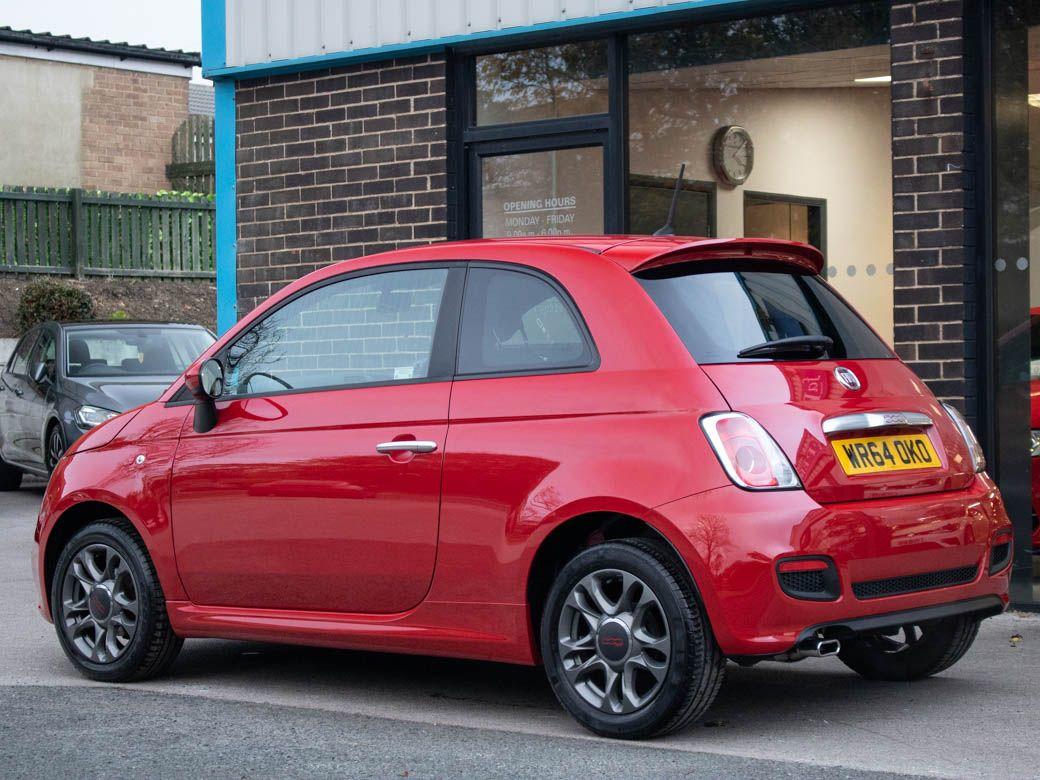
(774, 250)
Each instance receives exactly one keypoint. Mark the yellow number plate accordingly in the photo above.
(877, 454)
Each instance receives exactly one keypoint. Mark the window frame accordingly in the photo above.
(591, 349)
(793, 200)
(445, 334)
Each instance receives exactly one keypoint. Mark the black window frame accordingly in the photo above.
(794, 200)
(592, 364)
(442, 352)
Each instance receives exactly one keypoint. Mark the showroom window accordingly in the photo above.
(783, 122)
(789, 116)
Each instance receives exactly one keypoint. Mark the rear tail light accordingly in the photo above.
(748, 454)
(978, 460)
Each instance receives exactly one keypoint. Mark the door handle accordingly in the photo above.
(419, 447)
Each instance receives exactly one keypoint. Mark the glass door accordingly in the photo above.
(517, 190)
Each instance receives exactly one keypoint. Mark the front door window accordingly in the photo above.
(371, 329)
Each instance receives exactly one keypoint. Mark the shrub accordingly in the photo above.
(47, 299)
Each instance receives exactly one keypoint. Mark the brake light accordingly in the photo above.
(978, 459)
(748, 454)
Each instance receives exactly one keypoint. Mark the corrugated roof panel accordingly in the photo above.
(262, 31)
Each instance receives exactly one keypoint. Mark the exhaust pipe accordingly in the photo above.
(814, 647)
(821, 648)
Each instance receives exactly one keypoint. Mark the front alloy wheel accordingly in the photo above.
(627, 648)
(108, 607)
(99, 603)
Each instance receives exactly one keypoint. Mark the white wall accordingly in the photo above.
(40, 122)
(828, 143)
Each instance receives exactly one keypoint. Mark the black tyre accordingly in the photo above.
(54, 447)
(910, 652)
(10, 477)
(627, 648)
(108, 607)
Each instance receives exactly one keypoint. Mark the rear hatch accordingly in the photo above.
(854, 421)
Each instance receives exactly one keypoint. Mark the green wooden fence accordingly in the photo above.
(105, 234)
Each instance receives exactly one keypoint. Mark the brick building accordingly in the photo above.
(895, 136)
(91, 114)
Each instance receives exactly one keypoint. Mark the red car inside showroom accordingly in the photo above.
(625, 458)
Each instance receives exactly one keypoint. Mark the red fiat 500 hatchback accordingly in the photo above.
(626, 458)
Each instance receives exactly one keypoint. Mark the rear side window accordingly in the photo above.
(514, 321)
(20, 359)
(719, 313)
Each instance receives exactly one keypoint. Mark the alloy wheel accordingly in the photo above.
(55, 447)
(895, 640)
(99, 603)
(613, 641)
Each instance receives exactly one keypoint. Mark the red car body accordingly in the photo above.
(1034, 424)
(283, 524)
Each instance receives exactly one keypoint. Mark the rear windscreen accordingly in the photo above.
(718, 313)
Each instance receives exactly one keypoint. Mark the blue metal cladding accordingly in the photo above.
(227, 239)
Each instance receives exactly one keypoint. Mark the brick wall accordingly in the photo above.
(334, 164)
(933, 185)
(127, 126)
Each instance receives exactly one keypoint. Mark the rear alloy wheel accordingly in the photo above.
(910, 652)
(55, 447)
(626, 647)
(108, 608)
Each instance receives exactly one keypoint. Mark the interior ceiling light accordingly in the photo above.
(874, 80)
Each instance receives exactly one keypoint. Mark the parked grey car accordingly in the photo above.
(65, 378)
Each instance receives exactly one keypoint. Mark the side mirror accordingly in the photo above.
(39, 373)
(211, 378)
(205, 386)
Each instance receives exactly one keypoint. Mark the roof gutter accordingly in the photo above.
(121, 50)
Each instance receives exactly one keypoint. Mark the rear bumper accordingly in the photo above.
(981, 606)
(734, 539)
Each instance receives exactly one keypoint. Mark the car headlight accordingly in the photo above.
(978, 460)
(1034, 443)
(92, 416)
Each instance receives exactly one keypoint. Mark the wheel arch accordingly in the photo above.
(70, 521)
(572, 536)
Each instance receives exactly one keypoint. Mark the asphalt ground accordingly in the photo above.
(235, 709)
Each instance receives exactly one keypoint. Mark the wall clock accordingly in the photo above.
(732, 154)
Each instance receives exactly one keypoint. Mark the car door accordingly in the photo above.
(39, 395)
(16, 446)
(319, 486)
